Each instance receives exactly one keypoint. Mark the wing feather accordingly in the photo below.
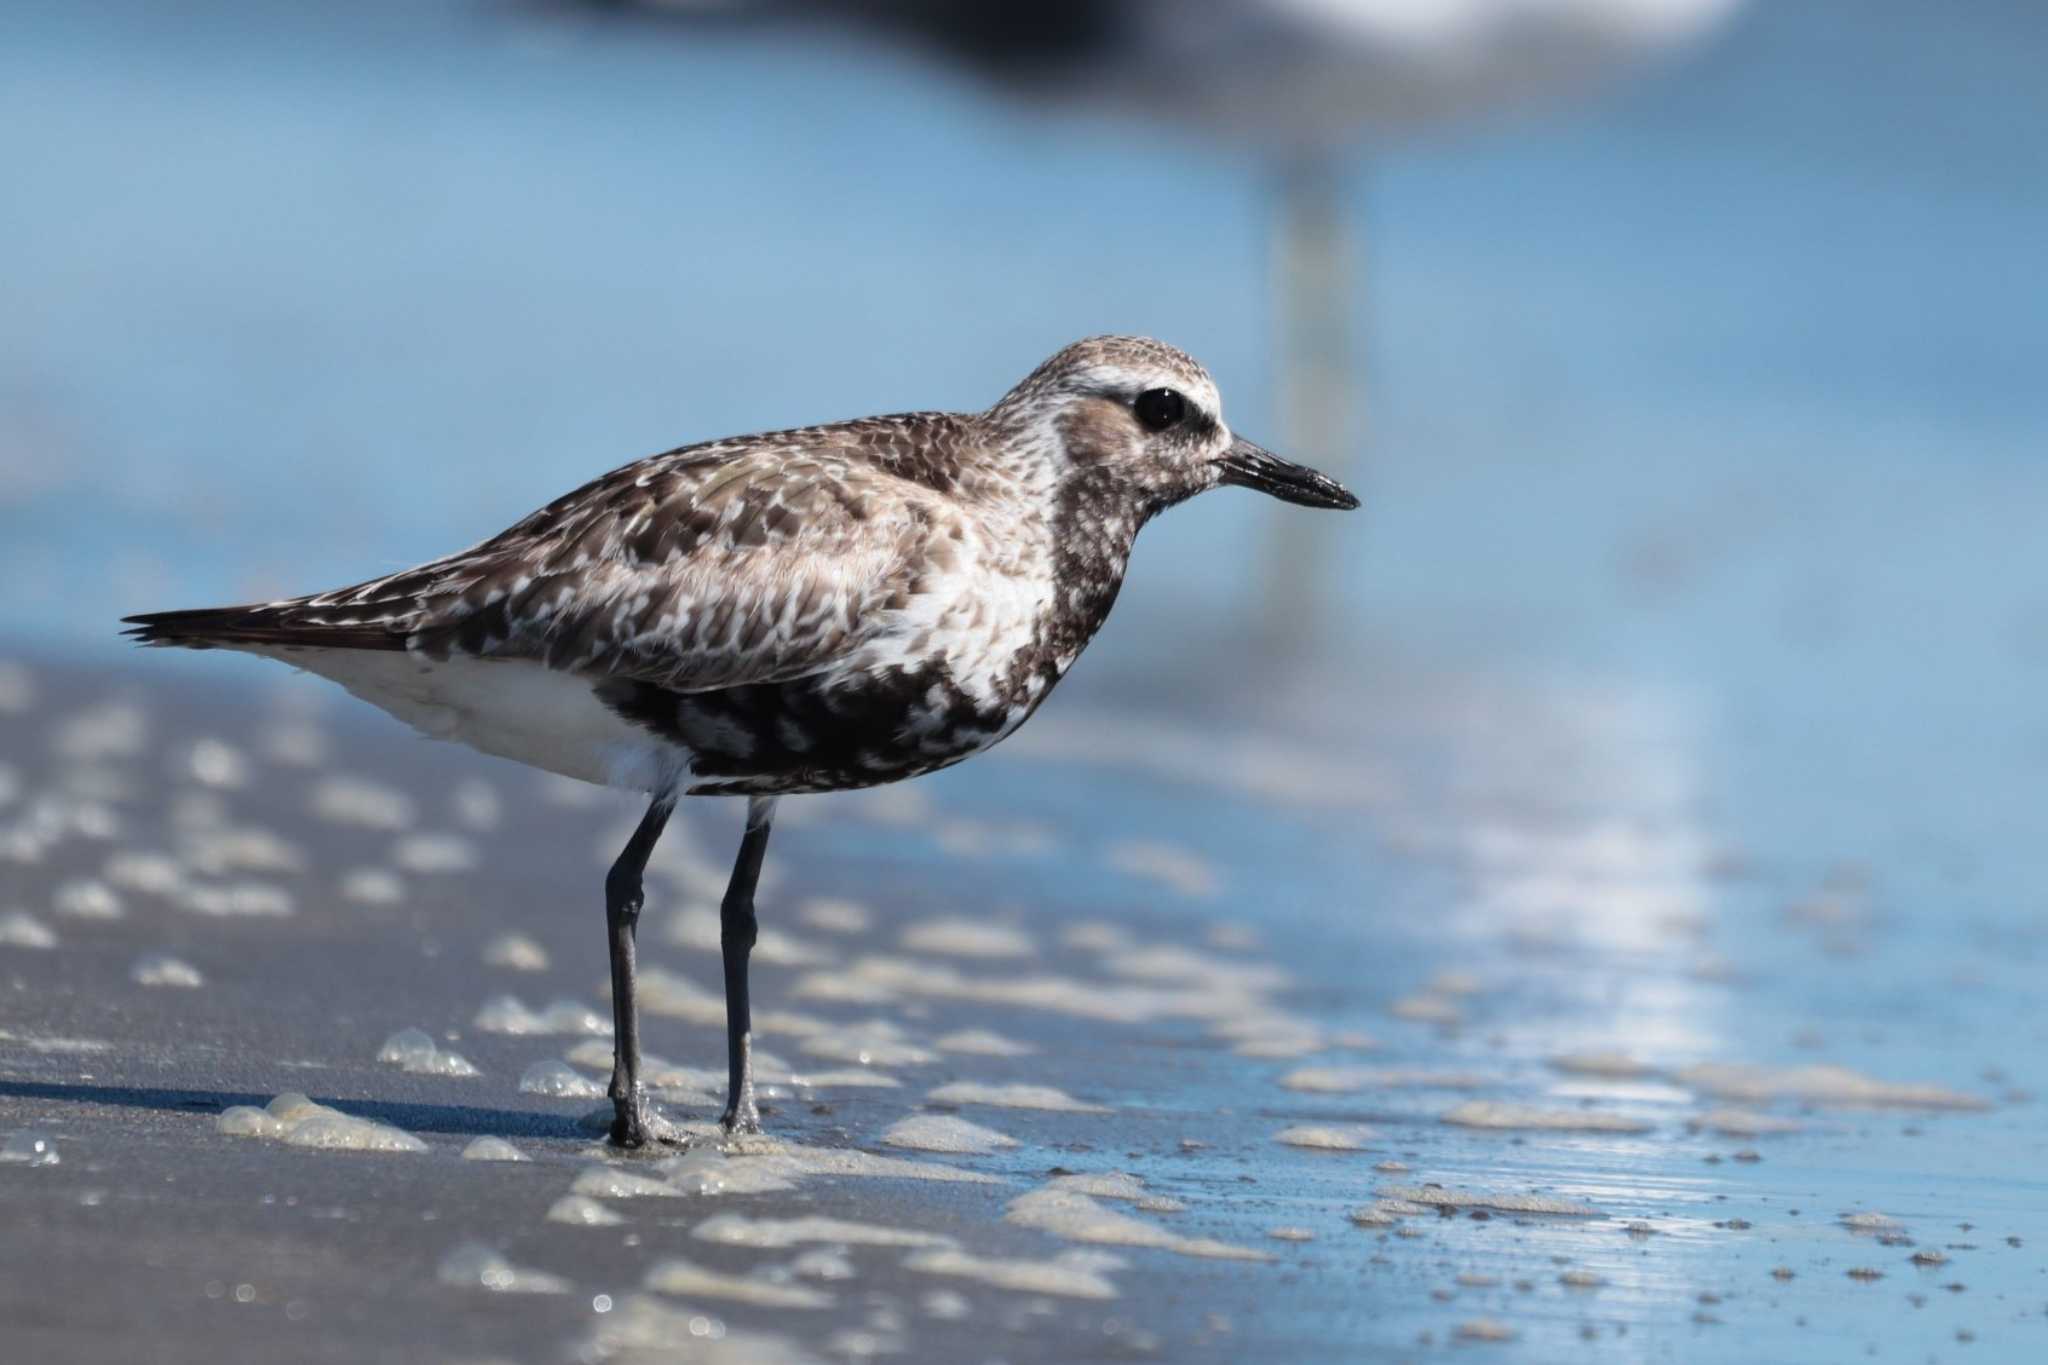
(750, 561)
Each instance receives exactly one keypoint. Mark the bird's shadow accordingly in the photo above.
(457, 1119)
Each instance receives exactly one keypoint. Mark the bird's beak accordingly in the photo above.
(1250, 466)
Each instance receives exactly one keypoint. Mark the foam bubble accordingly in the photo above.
(1871, 1221)
(1178, 869)
(240, 848)
(432, 854)
(1078, 1217)
(1383, 1213)
(1345, 1079)
(293, 1119)
(488, 1148)
(582, 1211)
(474, 1265)
(1013, 1097)
(216, 763)
(1619, 1066)
(733, 1229)
(947, 1134)
(415, 1050)
(108, 730)
(961, 937)
(945, 1305)
(607, 1182)
(835, 916)
(20, 929)
(793, 1161)
(1339, 1138)
(1485, 1329)
(874, 1042)
(670, 993)
(85, 898)
(846, 1078)
(1274, 1035)
(55, 1045)
(1291, 1234)
(981, 1042)
(477, 805)
(28, 1148)
(507, 1014)
(1116, 1185)
(708, 1171)
(825, 1263)
(1426, 1009)
(1495, 1114)
(222, 849)
(969, 838)
(1071, 1274)
(559, 1079)
(343, 800)
(234, 900)
(161, 969)
(373, 886)
(517, 952)
(1097, 936)
(1826, 1085)
(642, 1328)
(157, 874)
(679, 1277)
(1733, 1122)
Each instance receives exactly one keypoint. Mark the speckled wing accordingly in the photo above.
(750, 561)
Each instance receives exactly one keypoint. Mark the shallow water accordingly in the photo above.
(1685, 1098)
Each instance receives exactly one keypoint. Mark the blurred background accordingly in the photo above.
(1688, 355)
(1707, 344)
(1699, 343)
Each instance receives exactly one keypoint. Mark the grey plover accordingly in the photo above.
(812, 610)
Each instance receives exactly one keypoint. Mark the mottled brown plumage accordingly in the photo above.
(801, 611)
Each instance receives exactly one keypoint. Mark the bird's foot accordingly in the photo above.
(741, 1118)
(636, 1123)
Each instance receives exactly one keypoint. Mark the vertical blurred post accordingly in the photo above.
(1313, 281)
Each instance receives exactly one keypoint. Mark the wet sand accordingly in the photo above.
(1482, 1032)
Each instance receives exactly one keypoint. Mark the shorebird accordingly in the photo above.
(812, 610)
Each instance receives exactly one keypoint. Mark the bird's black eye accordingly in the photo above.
(1159, 409)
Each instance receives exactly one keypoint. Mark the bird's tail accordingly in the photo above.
(277, 624)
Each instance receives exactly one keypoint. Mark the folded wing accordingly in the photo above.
(739, 562)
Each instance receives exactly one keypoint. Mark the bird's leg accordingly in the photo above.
(736, 939)
(631, 1124)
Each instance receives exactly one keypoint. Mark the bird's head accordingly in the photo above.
(1140, 419)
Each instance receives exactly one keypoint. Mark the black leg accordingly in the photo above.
(632, 1124)
(736, 939)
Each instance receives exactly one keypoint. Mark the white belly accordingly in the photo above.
(509, 707)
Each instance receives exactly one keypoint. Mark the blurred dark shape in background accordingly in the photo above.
(1306, 84)
(1727, 377)
(1282, 75)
